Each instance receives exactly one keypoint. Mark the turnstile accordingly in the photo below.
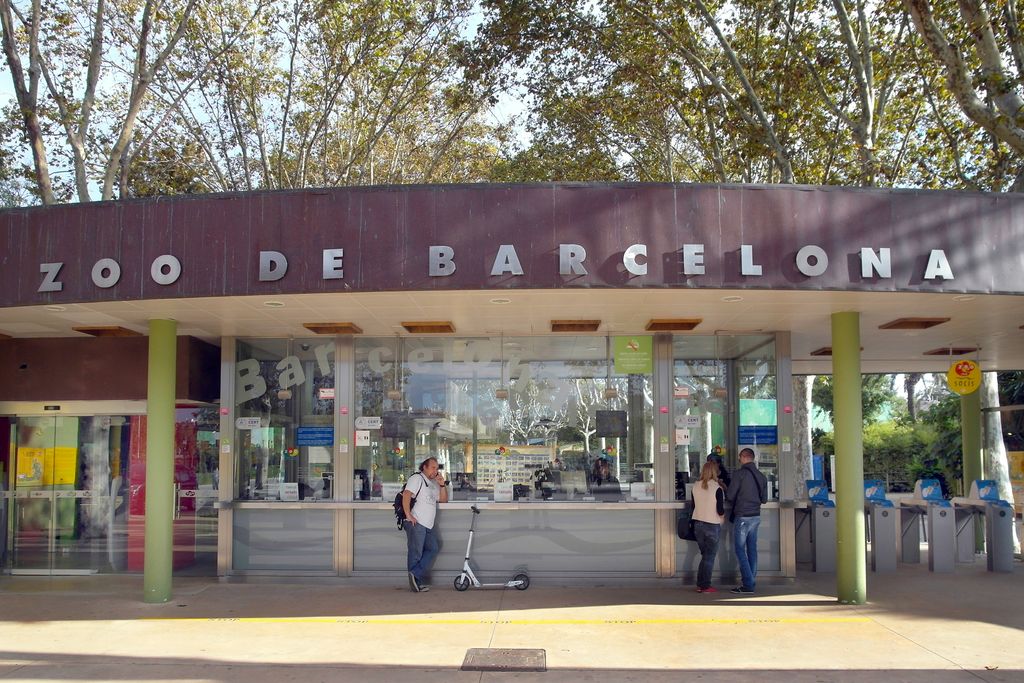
(882, 526)
(941, 527)
(998, 519)
(823, 527)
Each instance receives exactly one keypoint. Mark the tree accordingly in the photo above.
(1011, 393)
(890, 452)
(997, 464)
(944, 457)
(676, 90)
(243, 95)
(327, 94)
(910, 382)
(66, 51)
(802, 417)
(167, 169)
(876, 395)
(969, 48)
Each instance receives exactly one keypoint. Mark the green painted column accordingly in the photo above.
(851, 561)
(974, 467)
(970, 434)
(163, 347)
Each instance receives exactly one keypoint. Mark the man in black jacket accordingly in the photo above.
(747, 492)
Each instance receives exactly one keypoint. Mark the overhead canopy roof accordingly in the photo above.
(509, 259)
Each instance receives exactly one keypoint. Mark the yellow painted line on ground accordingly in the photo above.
(521, 622)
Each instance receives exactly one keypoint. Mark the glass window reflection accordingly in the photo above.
(284, 426)
(724, 398)
(525, 418)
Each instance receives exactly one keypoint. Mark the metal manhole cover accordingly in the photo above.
(503, 659)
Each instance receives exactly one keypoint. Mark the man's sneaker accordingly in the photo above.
(741, 589)
(710, 589)
(414, 585)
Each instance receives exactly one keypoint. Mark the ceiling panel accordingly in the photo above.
(990, 322)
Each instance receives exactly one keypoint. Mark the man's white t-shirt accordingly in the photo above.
(427, 493)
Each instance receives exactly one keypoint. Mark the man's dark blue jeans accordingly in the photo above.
(744, 536)
(423, 548)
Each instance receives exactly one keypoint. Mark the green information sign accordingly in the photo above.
(634, 355)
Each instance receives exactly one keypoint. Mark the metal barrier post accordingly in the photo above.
(910, 536)
(883, 538)
(823, 531)
(965, 540)
(999, 537)
(941, 538)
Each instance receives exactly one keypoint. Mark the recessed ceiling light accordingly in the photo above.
(575, 325)
(964, 297)
(107, 331)
(672, 324)
(952, 351)
(732, 299)
(501, 301)
(333, 328)
(912, 323)
(274, 304)
(429, 327)
(56, 309)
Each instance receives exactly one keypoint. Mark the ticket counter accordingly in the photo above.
(578, 457)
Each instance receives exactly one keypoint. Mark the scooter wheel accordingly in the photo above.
(461, 582)
(524, 581)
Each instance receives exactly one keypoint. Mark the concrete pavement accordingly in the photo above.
(917, 627)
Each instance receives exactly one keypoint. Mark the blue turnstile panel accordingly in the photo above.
(823, 526)
(998, 517)
(929, 503)
(883, 526)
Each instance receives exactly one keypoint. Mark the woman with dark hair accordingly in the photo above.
(601, 478)
(708, 515)
(723, 474)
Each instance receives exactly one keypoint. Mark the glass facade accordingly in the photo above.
(284, 420)
(558, 422)
(724, 393)
(78, 493)
(524, 418)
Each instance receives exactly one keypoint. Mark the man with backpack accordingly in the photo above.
(422, 493)
(748, 491)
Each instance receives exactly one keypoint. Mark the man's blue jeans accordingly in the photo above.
(423, 548)
(744, 535)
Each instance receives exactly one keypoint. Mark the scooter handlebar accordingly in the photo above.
(475, 510)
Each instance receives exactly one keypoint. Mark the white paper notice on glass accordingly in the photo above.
(683, 437)
(319, 454)
(289, 491)
(362, 437)
(503, 492)
(390, 489)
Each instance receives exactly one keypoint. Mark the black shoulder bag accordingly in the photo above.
(399, 507)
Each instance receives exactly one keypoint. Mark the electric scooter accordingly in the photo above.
(467, 579)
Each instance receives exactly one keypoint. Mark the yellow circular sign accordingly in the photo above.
(964, 377)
